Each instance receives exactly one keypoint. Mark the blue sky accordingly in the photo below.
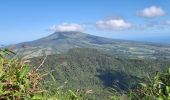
(26, 20)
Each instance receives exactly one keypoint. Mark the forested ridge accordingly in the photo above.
(100, 72)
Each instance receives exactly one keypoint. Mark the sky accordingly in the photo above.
(27, 20)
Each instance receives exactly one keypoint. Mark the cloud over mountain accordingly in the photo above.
(66, 27)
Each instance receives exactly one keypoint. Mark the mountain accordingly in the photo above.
(81, 61)
(61, 42)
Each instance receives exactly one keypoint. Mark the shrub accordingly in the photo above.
(159, 88)
(17, 80)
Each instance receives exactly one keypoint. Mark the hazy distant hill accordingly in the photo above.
(61, 42)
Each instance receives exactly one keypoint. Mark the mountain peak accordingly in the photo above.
(67, 34)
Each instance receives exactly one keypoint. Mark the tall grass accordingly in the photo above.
(17, 79)
(20, 81)
(157, 89)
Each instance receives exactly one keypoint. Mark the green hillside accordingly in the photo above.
(100, 72)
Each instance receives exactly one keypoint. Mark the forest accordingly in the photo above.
(83, 74)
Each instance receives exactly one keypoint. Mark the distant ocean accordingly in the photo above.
(164, 40)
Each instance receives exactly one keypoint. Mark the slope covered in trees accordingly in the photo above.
(99, 72)
(19, 81)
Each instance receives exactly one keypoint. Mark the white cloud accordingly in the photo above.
(152, 11)
(113, 24)
(65, 27)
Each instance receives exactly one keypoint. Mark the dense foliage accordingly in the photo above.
(17, 80)
(158, 88)
(20, 81)
(82, 74)
(101, 73)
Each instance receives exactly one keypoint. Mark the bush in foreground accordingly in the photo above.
(17, 80)
(157, 89)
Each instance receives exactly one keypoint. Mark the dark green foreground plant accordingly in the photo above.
(157, 89)
(17, 80)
